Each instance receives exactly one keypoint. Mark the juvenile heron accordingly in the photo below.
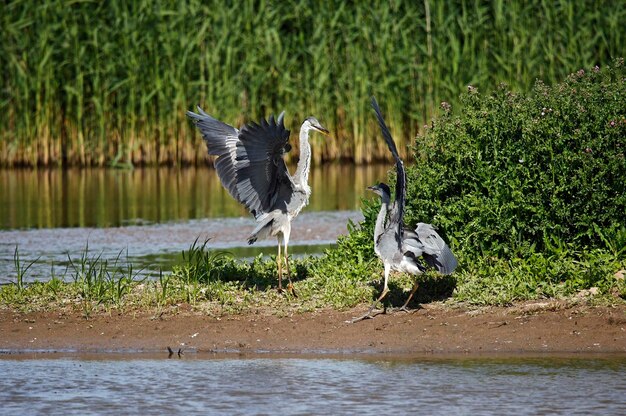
(399, 247)
(251, 167)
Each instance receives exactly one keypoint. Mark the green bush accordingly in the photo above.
(508, 174)
(528, 190)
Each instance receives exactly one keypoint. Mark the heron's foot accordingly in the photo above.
(370, 314)
(291, 290)
(402, 308)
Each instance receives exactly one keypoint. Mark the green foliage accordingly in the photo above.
(98, 83)
(561, 272)
(204, 266)
(318, 281)
(510, 173)
(98, 281)
(20, 270)
(341, 277)
(529, 190)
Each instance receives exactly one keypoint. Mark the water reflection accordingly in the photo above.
(111, 198)
(148, 216)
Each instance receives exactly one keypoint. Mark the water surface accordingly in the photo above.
(368, 386)
(153, 247)
(111, 198)
(147, 217)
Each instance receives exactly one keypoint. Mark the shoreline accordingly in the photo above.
(530, 328)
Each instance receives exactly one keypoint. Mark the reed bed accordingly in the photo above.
(108, 83)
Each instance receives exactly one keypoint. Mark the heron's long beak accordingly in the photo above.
(372, 188)
(322, 130)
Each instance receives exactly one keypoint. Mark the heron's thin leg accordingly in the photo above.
(287, 264)
(368, 315)
(385, 286)
(290, 285)
(403, 308)
(280, 266)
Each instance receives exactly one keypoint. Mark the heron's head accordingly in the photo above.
(315, 125)
(380, 189)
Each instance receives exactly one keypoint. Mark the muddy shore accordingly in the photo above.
(525, 328)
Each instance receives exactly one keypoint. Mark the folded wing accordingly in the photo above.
(428, 244)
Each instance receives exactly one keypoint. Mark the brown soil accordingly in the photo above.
(529, 327)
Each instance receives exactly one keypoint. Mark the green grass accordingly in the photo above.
(210, 281)
(108, 83)
(556, 275)
(214, 283)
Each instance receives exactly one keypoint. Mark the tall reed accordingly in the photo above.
(95, 83)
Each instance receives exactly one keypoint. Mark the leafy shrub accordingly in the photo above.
(528, 190)
(509, 173)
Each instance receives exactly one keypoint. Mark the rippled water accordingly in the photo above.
(519, 386)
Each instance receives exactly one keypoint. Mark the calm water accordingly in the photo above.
(112, 198)
(463, 386)
(148, 216)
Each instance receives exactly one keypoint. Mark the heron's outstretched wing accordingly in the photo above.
(426, 242)
(397, 209)
(221, 140)
(262, 176)
(249, 161)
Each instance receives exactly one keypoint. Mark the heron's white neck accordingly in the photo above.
(301, 177)
(380, 223)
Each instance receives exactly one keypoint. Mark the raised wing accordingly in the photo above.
(262, 176)
(397, 209)
(426, 242)
(249, 161)
(221, 140)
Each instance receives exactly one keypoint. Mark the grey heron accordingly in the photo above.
(251, 167)
(399, 247)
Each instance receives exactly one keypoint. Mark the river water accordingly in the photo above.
(147, 217)
(110, 384)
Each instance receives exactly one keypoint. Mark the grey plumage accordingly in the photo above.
(401, 248)
(251, 167)
(431, 247)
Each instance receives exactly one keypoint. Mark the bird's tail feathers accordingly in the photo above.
(263, 228)
(426, 242)
(444, 262)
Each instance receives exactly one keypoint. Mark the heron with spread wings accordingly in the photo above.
(251, 167)
(399, 247)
